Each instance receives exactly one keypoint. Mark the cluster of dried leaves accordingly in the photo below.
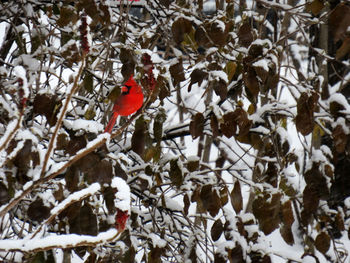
(237, 64)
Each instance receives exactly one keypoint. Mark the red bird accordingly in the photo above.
(129, 101)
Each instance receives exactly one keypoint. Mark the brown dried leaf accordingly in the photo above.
(339, 21)
(158, 125)
(163, 88)
(271, 174)
(88, 162)
(340, 139)
(75, 144)
(177, 72)
(119, 172)
(323, 242)
(127, 58)
(154, 256)
(235, 255)
(241, 118)
(287, 213)
(236, 197)
(339, 222)
(58, 194)
(230, 70)
(261, 73)
(252, 84)
(219, 163)
(102, 172)
(104, 14)
(72, 178)
(71, 54)
(186, 201)
(287, 234)
(216, 230)
(310, 200)
(214, 124)
(138, 137)
(224, 193)
(267, 211)
(271, 82)
(37, 211)
(4, 194)
(335, 108)
(47, 105)
(67, 15)
(256, 50)
(220, 88)
(165, 3)
(62, 141)
(89, 7)
(219, 258)
(201, 37)
(306, 106)
(197, 125)
(344, 49)
(210, 199)
(179, 28)
(23, 158)
(228, 127)
(315, 179)
(193, 165)
(175, 173)
(245, 35)
(197, 76)
(315, 7)
(109, 196)
(85, 221)
(217, 35)
(88, 82)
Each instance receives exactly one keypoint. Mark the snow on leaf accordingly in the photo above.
(60, 241)
(86, 125)
(122, 195)
(262, 63)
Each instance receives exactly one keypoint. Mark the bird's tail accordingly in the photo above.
(111, 123)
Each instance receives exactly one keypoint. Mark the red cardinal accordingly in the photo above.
(129, 101)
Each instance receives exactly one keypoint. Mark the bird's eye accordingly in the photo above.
(126, 89)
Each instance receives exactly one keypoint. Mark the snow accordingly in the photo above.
(157, 241)
(193, 158)
(209, 6)
(221, 25)
(272, 244)
(85, 125)
(27, 135)
(340, 99)
(4, 104)
(52, 240)
(281, 249)
(28, 61)
(76, 196)
(123, 195)
(262, 63)
(21, 73)
(341, 121)
(309, 259)
(172, 204)
(10, 127)
(219, 74)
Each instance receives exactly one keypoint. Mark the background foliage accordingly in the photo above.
(240, 153)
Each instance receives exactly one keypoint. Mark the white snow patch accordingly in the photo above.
(86, 125)
(123, 195)
(262, 63)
